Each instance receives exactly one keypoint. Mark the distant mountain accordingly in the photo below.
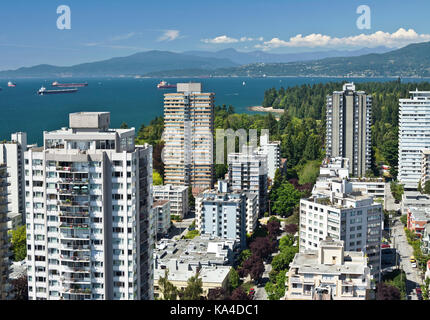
(410, 61)
(136, 64)
(242, 58)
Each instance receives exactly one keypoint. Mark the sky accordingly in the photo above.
(102, 29)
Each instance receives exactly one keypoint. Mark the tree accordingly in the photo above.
(276, 289)
(194, 289)
(19, 243)
(240, 294)
(245, 254)
(191, 199)
(234, 279)
(254, 267)
(168, 290)
(157, 180)
(427, 187)
(217, 294)
(291, 228)
(282, 260)
(261, 247)
(387, 292)
(286, 241)
(124, 126)
(287, 198)
(20, 288)
(274, 228)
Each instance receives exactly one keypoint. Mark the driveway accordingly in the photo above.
(400, 242)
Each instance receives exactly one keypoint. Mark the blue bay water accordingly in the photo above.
(134, 101)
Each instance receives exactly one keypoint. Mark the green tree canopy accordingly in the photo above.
(19, 243)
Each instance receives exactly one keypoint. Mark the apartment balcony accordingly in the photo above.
(79, 214)
(74, 247)
(78, 226)
(69, 203)
(77, 258)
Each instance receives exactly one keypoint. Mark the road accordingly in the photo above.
(260, 291)
(400, 242)
(389, 203)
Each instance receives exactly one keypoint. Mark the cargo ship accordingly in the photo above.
(68, 85)
(165, 85)
(11, 84)
(43, 91)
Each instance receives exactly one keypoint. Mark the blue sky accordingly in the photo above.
(105, 29)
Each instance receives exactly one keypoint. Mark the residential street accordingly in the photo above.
(260, 291)
(400, 242)
(389, 203)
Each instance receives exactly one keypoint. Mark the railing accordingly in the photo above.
(74, 225)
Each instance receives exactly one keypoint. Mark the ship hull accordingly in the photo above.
(69, 85)
(56, 91)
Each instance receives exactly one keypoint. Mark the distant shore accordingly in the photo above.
(268, 109)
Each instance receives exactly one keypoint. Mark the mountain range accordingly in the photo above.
(242, 58)
(410, 61)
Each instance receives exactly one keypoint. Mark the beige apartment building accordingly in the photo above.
(188, 136)
(329, 273)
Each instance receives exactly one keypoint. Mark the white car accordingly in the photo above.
(413, 264)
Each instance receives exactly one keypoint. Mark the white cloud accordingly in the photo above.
(220, 39)
(123, 36)
(225, 39)
(399, 38)
(169, 35)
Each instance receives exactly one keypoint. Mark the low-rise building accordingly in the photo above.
(417, 218)
(338, 168)
(414, 199)
(425, 240)
(329, 273)
(212, 256)
(162, 215)
(177, 195)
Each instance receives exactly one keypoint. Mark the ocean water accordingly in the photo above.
(134, 101)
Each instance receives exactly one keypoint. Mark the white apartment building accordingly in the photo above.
(188, 136)
(339, 212)
(177, 196)
(273, 150)
(4, 239)
(90, 228)
(162, 215)
(247, 171)
(414, 135)
(338, 168)
(329, 273)
(12, 154)
(226, 213)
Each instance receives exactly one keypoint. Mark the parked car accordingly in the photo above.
(414, 264)
(419, 292)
